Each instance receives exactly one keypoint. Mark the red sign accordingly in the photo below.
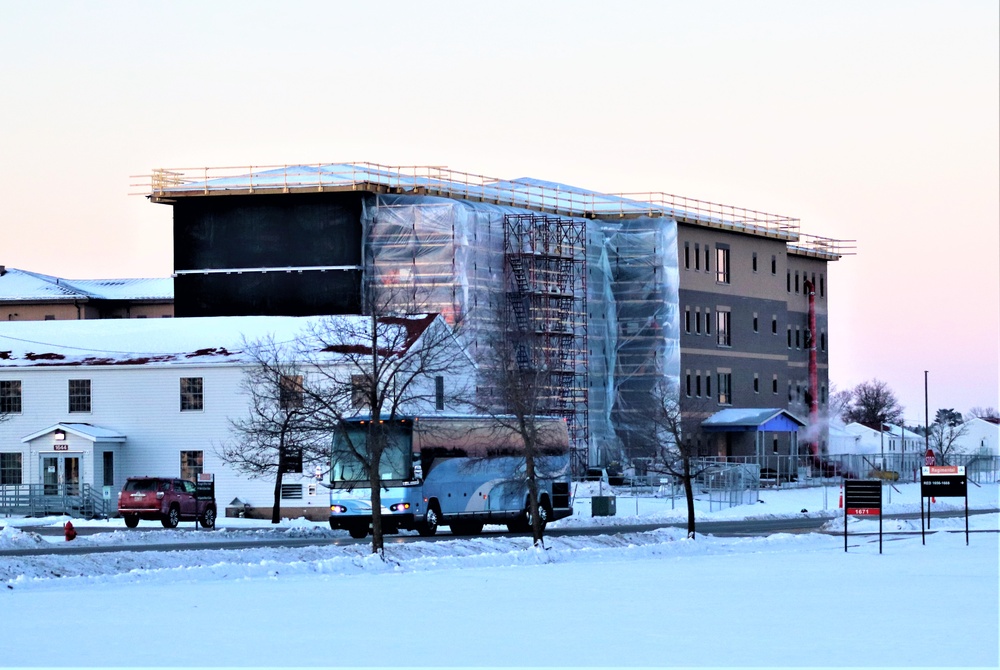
(863, 511)
(929, 459)
(942, 470)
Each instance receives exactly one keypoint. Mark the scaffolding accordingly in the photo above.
(545, 262)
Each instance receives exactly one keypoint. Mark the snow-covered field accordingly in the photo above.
(643, 599)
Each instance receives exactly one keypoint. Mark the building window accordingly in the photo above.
(822, 340)
(290, 392)
(774, 385)
(687, 386)
(725, 388)
(687, 255)
(697, 383)
(10, 396)
(697, 256)
(439, 393)
(774, 324)
(697, 320)
(796, 281)
(722, 264)
(192, 464)
(359, 391)
(192, 394)
(789, 337)
(10, 468)
(774, 265)
(707, 257)
(756, 383)
(755, 322)
(788, 281)
(708, 322)
(708, 385)
(798, 341)
(822, 394)
(50, 317)
(789, 390)
(79, 395)
(109, 468)
(822, 290)
(753, 262)
(687, 319)
(722, 335)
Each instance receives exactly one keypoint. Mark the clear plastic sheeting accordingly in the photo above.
(447, 255)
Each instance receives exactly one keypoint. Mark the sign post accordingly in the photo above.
(863, 497)
(204, 488)
(948, 481)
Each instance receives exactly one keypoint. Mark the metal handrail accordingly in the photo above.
(443, 181)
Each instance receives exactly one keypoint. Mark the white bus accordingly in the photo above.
(456, 471)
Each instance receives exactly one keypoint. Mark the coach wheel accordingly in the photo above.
(429, 525)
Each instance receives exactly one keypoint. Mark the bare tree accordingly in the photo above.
(387, 365)
(674, 431)
(983, 413)
(873, 402)
(519, 382)
(277, 436)
(946, 431)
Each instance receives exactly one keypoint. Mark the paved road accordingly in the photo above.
(737, 528)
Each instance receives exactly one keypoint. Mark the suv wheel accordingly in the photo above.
(172, 518)
(131, 520)
(207, 519)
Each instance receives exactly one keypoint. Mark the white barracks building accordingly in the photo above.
(86, 404)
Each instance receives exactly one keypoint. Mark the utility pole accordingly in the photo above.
(927, 425)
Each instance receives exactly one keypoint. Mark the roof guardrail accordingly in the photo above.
(439, 180)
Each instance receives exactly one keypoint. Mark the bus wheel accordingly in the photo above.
(429, 525)
(358, 532)
(543, 515)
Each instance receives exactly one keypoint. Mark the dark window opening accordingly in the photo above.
(192, 394)
(79, 395)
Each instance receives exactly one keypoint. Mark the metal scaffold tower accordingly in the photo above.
(545, 258)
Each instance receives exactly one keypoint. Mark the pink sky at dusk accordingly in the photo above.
(869, 121)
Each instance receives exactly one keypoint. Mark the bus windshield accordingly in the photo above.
(350, 456)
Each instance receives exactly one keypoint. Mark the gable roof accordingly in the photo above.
(736, 419)
(183, 341)
(84, 430)
(23, 286)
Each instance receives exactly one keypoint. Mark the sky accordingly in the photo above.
(652, 599)
(868, 121)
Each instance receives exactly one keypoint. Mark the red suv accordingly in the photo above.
(167, 499)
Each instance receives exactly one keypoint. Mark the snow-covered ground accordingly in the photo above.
(641, 599)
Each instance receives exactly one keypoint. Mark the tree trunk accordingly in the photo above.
(689, 495)
(276, 507)
(537, 529)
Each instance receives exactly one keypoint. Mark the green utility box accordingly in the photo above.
(602, 506)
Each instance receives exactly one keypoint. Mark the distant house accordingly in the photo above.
(982, 438)
(105, 400)
(31, 296)
(890, 440)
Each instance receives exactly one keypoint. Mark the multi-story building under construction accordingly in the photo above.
(621, 290)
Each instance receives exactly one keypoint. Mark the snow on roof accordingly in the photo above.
(158, 288)
(525, 191)
(21, 285)
(748, 417)
(191, 341)
(85, 430)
